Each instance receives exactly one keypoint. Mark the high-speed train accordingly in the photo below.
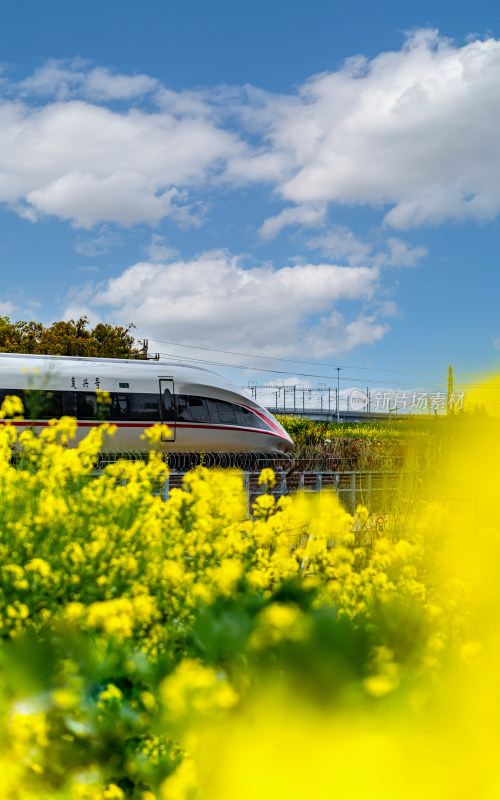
(204, 411)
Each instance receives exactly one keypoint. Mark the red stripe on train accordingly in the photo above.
(199, 426)
(274, 425)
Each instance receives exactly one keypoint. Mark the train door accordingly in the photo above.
(167, 405)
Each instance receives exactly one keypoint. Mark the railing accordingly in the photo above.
(378, 489)
(379, 492)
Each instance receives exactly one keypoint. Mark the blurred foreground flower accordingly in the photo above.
(180, 650)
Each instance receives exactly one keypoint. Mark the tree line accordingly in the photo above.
(68, 338)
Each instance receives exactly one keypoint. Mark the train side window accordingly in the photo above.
(168, 406)
(227, 413)
(69, 404)
(259, 423)
(52, 405)
(13, 393)
(120, 406)
(39, 404)
(198, 408)
(212, 409)
(245, 417)
(36, 404)
(86, 406)
(249, 419)
(144, 407)
(183, 411)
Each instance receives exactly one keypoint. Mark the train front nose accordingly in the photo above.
(288, 445)
(285, 441)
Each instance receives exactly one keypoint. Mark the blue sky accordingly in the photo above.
(315, 182)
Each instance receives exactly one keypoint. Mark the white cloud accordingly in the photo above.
(90, 164)
(159, 249)
(6, 308)
(363, 330)
(400, 254)
(340, 243)
(388, 308)
(415, 129)
(65, 79)
(413, 133)
(87, 199)
(97, 245)
(309, 216)
(102, 84)
(215, 300)
(76, 311)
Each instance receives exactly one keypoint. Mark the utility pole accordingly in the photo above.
(145, 343)
(338, 393)
(450, 390)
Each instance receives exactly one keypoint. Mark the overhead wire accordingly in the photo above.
(287, 372)
(312, 363)
(293, 360)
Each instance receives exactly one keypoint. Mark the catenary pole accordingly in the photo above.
(338, 393)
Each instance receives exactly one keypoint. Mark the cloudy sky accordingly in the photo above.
(289, 187)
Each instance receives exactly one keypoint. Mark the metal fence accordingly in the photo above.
(379, 492)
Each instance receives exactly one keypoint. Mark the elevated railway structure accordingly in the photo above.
(324, 415)
(353, 405)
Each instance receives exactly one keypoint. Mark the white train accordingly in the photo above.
(204, 411)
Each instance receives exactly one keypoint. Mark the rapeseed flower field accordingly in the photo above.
(182, 650)
(376, 445)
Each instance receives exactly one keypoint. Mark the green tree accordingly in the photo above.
(67, 338)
